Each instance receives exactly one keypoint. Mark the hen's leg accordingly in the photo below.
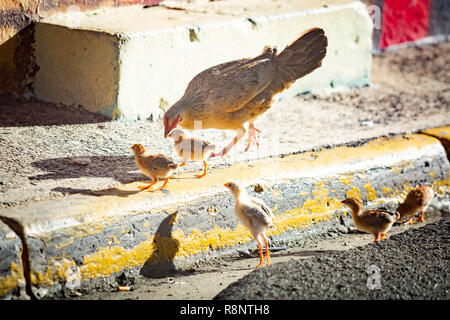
(252, 136)
(204, 171)
(240, 134)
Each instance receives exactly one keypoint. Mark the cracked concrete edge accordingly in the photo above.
(83, 242)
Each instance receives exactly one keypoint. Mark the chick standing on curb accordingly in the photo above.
(254, 214)
(191, 149)
(153, 166)
(374, 221)
(417, 199)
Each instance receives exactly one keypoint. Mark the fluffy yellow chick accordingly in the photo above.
(254, 214)
(154, 166)
(191, 149)
(374, 221)
(417, 199)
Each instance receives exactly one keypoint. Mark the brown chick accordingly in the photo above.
(417, 199)
(231, 94)
(374, 221)
(254, 214)
(191, 149)
(154, 166)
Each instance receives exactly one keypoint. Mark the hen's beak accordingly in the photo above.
(166, 132)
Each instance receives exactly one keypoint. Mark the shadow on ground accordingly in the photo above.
(116, 167)
(160, 264)
(19, 113)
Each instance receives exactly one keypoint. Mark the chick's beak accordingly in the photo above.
(226, 185)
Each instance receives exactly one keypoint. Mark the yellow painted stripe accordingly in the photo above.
(318, 207)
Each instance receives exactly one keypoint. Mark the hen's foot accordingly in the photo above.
(252, 137)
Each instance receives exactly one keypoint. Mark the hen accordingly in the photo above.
(234, 93)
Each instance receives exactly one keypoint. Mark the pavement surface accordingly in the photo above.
(48, 151)
(206, 279)
(410, 265)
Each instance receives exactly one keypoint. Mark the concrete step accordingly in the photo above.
(133, 63)
(81, 242)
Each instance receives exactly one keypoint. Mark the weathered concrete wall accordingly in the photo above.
(12, 279)
(15, 15)
(17, 63)
(90, 77)
(406, 21)
(80, 242)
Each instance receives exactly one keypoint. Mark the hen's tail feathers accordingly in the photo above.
(301, 57)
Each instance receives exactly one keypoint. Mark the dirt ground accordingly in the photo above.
(48, 151)
(205, 280)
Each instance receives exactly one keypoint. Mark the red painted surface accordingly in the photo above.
(403, 21)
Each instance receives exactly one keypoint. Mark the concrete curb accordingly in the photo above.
(137, 68)
(82, 242)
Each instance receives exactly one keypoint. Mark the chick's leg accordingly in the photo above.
(261, 260)
(267, 248)
(252, 137)
(149, 186)
(383, 236)
(376, 238)
(421, 217)
(204, 171)
(240, 134)
(411, 220)
(164, 185)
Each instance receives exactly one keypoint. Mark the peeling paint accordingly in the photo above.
(371, 194)
(354, 192)
(11, 281)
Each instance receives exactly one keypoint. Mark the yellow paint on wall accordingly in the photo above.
(371, 194)
(354, 192)
(11, 280)
(386, 190)
(347, 180)
(319, 207)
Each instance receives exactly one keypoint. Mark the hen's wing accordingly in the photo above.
(230, 87)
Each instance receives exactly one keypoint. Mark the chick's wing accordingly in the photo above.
(159, 161)
(253, 212)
